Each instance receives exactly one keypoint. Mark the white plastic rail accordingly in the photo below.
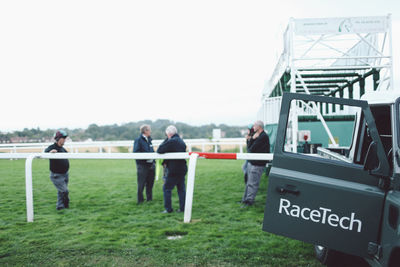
(191, 170)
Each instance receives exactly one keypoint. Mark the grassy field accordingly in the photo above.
(105, 227)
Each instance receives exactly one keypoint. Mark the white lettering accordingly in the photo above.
(315, 215)
(342, 224)
(320, 215)
(324, 210)
(352, 221)
(284, 207)
(295, 212)
(333, 219)
(302, 214)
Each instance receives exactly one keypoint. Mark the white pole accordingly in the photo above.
(293, 72)
(241, 148)
(390, 52)
(29, 187)
(190, 188)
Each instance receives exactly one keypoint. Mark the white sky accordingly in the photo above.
(72, 63)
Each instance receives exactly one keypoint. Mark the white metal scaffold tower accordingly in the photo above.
(339, 57)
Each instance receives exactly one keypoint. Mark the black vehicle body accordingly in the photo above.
(344, 201)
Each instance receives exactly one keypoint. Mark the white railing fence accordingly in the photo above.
(190, 178)
(108, 145)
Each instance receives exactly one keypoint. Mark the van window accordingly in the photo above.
(383, 121)
(323, 130)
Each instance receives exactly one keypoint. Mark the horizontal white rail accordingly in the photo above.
(191, 170)
(74, 146)
(124, 142)
(183, 155)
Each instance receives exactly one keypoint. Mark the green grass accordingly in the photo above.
(105, 227)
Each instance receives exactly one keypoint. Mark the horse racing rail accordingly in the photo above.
(192, 156)
(108, 145)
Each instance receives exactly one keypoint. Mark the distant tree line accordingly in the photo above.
(127, 131)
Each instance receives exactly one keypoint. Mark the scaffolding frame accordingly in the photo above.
(332, 57)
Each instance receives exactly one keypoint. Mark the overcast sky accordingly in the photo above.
(72, 63)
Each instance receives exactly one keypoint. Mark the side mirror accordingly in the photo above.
(371, 160)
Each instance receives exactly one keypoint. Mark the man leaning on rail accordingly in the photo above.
(257, 143)
(59, 170)
(176, 169)
(145, 168)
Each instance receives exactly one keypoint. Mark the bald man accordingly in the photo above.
(258, 143)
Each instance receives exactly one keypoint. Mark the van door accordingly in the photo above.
(391, 219)
(327, 198)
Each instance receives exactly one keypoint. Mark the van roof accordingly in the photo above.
(381, 97)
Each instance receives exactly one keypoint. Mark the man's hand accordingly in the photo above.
(53, 151)
(257, 134)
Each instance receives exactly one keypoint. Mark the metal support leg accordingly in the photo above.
(29, 187)
(190, 188)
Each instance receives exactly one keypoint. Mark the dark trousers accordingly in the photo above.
(145, 174)
(60, 181)
(170, 183)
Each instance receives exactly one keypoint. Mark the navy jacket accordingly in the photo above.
(259, 145)
(175, 167)
(141, 145)
(58, 165)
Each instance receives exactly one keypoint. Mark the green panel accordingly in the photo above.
(343, 130)
(271, 129)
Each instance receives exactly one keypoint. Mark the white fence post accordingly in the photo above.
(190, 188)
(29, 187)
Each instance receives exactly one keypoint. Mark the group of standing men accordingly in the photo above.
(175, 169)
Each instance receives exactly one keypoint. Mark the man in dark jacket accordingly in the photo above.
(145, 168)
(59, 170)
(257, 143)
(176, 169)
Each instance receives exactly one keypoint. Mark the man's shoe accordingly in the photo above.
(60, 208)
(66, 200)
(179, 210)
(166, 211)
(246, 204)
(239, 202)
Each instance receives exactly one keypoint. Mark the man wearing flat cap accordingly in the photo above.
(59, 170)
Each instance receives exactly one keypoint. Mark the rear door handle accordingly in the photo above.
(288, 189)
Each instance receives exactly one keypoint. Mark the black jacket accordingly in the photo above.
(141, 145)
(175, 167)
(259, 145)
(58, 165)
